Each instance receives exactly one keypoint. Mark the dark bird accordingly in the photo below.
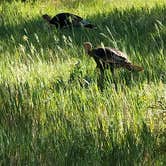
(63, 20)
(106, 57)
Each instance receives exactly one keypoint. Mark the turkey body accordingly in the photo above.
(107, 57)
(63, 20)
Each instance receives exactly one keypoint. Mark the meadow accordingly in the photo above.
(52, 110)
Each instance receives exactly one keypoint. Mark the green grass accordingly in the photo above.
(52, 111)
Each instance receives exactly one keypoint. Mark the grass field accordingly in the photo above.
(52, 111)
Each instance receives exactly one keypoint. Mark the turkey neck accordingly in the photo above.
(90, 52)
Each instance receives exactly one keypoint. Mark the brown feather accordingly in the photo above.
(133, 67)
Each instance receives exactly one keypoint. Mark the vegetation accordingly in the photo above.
(52, 111)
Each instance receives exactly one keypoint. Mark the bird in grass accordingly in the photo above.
(63, 20)
(107, 57)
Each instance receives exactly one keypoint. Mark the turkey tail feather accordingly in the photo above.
(86, 24)
(133, 67)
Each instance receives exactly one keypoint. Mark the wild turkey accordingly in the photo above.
(63, 20)
(106, 57)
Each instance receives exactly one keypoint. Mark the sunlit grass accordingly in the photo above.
(53, 111)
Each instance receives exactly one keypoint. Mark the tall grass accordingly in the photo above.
(52, 111)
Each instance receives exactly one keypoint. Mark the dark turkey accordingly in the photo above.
(106, 57)
(63, 20)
